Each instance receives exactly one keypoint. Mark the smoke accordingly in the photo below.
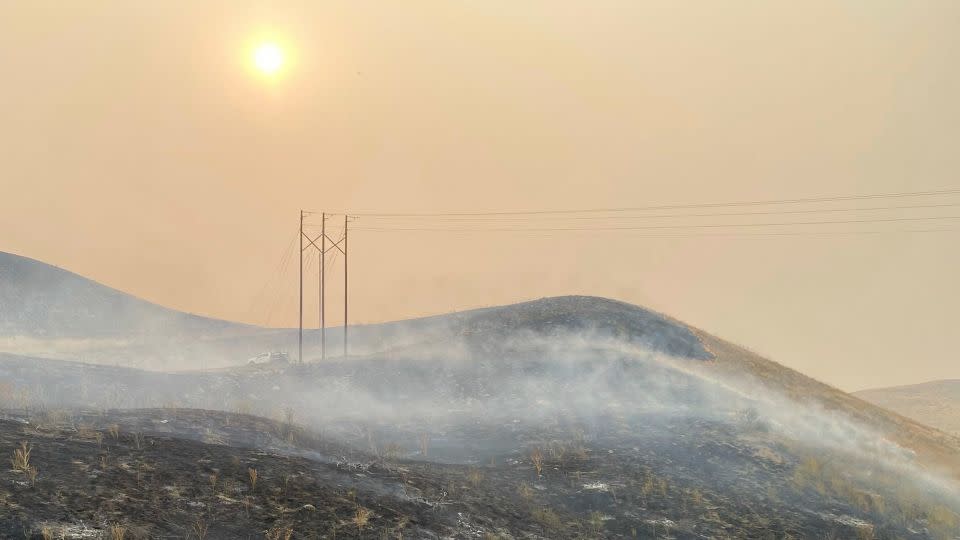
(590, 382)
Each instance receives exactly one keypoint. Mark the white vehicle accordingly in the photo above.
(269, 358)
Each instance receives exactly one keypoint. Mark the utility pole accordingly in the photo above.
(323, 286)
(346, 220)
(341, 246)
(300, 350)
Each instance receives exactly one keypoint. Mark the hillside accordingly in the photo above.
(935, 403)
(49, 312)
(38, 300)
(567, 417)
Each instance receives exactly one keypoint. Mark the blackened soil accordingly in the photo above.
(648, 478)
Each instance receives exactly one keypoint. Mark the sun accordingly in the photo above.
(268, 58)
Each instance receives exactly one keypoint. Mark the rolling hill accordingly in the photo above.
(935, 403)
(566, 417)
(38, 300)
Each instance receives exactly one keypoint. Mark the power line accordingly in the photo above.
(648, 227)
(273, 287)
(489, 219)
(761, 234)
(931, 193)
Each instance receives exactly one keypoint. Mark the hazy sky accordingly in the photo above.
(138, 148)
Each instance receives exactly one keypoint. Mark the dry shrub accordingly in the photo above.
(525, 491)
(21, 462)
(21, 457)
(252, 473)
(117, 531)
(557, 451)
(361, 517)
(475, 477)
(32, 473)
(536, 456)
(85, 432)
(279, 533)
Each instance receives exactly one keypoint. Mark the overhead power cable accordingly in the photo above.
(508, 219)
(931, 193)
(649, 227)
(733, 234)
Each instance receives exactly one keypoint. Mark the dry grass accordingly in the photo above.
(252, 473)
(21, 462)
(525, 491)
(536, 457)
(943, 521)
(547, 518)
(361, 517)
(475, 477)
(117, 531)
(199, 529)
(21, 457)
(279, 533)
(595, 521)
(392, 451)
(32, 473)
(865, 532)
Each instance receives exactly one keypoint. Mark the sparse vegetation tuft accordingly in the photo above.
(536, 457)
(475, 477)
(547, 518)
(279, 533)
(117, 531)
(252, 473)
(200, 529)
(361, 517)
(525, 491)
(21, 457)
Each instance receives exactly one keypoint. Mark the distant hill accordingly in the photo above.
(43, 301)
(935, 403)
(49, 312)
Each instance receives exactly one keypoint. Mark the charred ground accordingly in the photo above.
(625, 478)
